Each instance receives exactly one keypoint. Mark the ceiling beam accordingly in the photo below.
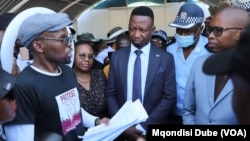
(19, 5)
(69, 5)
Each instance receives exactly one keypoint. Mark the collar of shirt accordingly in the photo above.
(145, 50)
(1, 132)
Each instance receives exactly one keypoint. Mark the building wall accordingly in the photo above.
(100, 21)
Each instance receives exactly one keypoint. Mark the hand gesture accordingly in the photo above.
(103, 120)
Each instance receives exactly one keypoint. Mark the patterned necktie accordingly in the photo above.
(137, 77)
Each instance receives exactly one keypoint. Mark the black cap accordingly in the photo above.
(7, 82)
(5, 20)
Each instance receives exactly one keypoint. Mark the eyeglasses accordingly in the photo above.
(66, 39)
(157, 41)
(84, 56)
(217, 31)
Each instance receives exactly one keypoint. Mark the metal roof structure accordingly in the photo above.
(72, 7)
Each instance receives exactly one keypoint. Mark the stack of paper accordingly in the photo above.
(131, 113)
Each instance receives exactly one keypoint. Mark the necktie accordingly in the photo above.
(137, 77)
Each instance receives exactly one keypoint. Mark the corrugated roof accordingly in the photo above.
(72, 7)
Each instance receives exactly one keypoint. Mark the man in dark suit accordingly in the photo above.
(158, 84)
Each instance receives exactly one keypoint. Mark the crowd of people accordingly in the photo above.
(186, 80)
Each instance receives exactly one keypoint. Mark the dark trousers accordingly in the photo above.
(175, 120)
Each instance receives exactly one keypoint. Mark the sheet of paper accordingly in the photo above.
(131, 113)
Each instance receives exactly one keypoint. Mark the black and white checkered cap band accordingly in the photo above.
(244, 5)
(189, 20)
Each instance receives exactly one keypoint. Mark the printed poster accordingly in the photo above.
(69, 110)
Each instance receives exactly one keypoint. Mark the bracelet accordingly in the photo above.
(97, 121)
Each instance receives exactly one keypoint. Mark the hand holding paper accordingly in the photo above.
(131, 113)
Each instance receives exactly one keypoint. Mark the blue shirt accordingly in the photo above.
(183, 67)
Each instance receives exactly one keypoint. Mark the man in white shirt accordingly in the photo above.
(111, 45)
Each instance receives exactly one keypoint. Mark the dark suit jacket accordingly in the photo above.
(160, 90)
